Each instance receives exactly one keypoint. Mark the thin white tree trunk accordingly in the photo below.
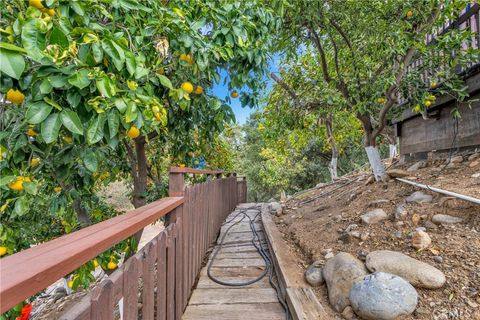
(393, 150)
(332, 167)
(376, 163)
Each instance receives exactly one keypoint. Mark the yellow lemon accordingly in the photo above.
(3, 251)
(158, 116)
(112, 265)
(133, 132)
(181, 165)
(17, 184)
(50, 12)
(409, 13)
(132, 85)
(95, 263)
(381, 100)
(428, 103)
(198, 90)
(15, 96)
(57, 189)
(417, 108)
(432, 97)
(187, 87)
(234, 94)
(190, 154)
(35, 3)
(187, 58)
(34, 162)
(67, 140)
(70, 284)
(155, 109)
(433, 84)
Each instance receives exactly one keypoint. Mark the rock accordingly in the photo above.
(417, 166)
(418, 273)
(383, 296)
(398, 173)
(364, 235)
(325, 251)
(473, 164)
(362, 254)
(348, 313)
(421, 229)
(421, 240)
(430, 225)
(373, 216)
(398, 234)
(370, 180)
(377, 203)
(340, 273)
(419, 197)
(329, 255)
(337, 218)
(345, 237)
(474, 156)
(457, 159)
(355, 234)
(445, 219)
(476, 175)
(314, 274)
(276, 208)
(351, 227)
(438, 259)
(400, 212)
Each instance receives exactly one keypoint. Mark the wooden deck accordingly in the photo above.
(237, 261)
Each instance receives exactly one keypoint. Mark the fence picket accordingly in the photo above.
(161, 310)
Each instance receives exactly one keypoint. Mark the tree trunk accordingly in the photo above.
(82, 214)
(376, 163)
(332, 167)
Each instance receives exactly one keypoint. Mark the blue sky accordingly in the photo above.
(221, 90)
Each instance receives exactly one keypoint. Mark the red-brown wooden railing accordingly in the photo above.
(160, 276)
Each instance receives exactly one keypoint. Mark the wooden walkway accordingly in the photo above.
(237, 261)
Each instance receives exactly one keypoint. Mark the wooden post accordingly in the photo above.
(176, 185)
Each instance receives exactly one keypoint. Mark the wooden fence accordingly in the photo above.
(157, 281)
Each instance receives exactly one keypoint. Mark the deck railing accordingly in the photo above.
(159, 277)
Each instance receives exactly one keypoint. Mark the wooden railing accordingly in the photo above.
(160, 276)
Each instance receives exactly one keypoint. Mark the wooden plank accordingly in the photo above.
(246, 262)
(241, 295)
(207, 283)
(171, 272)
(178, 269)
(79, 311)
(264, 311)
(148, 276)
(194, 171)
(130, 288)
(304, 305)
(25, 273)
(102, 301)
(176, 185)
(161, 276)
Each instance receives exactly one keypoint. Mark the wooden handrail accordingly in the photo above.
(194, 171)
(30, 271)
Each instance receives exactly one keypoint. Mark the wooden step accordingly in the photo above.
(264, 311)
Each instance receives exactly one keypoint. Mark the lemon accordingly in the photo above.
(155, 109)
(181, 165)
(3, 251)
(15, 96)
(187, 58)
(67, 140)
(57, 189)
(417, 108)
(409, 13)
(17, 184)
(428, 103)
(433, 84)
(187, 87)
(112, 265)
(70, 284)
(132, 85)
(34, 162)
(234, 94)
(50, 12)
(31, 132)
(198, 90)
(133, 132)
(95, 263)
(158, 116)
(35, 3)
(381, 100)
(432, 97)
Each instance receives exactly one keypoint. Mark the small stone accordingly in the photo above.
(337, 218)
(476, 175)
(400, 212)
(340, 273)
(377, 203)
(348, 313)
(398, 234)
(355, 234)
(374, 216)
(421, 240)
(276, 208)
(362, 254)
(329, 255)
(421, 229)
(351, 227)
(418, 273)
(474, 164)
(370, 180)
(445, 219)
(398, 173)
(364, 235)
(417, 166)
(474, 156)
(314, 274)
(325, 251)
(438, 259)
(383, 296)
(457, 159)
(345, 237)
(399, 223)
(419, 197)
(430, 225)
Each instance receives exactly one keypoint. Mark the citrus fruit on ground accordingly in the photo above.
(112, 265)
(133, 132)
(234, 94)
(3, 251)
(15, 96)
(198, 90)
(187, 87)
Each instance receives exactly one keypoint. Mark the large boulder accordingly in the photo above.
(418, 273)
(383, 296)
(374, 216)
(340, 273)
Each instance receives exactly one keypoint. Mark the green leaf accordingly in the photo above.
(32, 40)
(95, 130)
(165, 81)
(58, 37)
(121, 105)
(30, 187)
(52, 103)
(113, 120)
(131, 62)
(90, 161)
(50, 128)
(6, 180)
(73, 98)
(97, 52)
(131, 114)
(80, 79)
(115, 52)
(106, 87)
(71, 121)
(46, 87)
(37, 112)
(21, 206)
(11, 47)
(11, 63)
